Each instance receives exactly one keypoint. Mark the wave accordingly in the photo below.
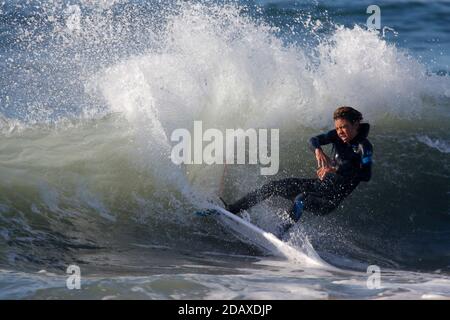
(86, 163)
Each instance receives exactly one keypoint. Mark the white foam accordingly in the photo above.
(438, 144)
(223, 68)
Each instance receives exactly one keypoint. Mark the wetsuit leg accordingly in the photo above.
(320, 205)
(316, 203)
(286, 188)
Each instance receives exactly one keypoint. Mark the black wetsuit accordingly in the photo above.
(353, 162)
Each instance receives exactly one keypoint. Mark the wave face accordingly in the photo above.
(93, 89)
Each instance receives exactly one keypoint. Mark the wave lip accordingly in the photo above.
(438, 144)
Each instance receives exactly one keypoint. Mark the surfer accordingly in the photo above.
(336, 178)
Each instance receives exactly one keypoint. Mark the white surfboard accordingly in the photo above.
(265, 240)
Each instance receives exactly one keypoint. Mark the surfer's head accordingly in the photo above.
(346, 122)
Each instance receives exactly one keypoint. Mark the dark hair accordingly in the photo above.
(347, 113)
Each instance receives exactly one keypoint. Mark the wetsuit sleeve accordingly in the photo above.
(322, 139)
(366, 150)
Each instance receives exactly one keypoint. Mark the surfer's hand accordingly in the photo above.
(323, 160)
(322, 172)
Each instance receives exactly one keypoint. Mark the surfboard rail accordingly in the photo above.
(265, 240)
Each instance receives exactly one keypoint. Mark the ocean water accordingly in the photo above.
(91, 91)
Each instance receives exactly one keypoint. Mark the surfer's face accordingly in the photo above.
(346, 130)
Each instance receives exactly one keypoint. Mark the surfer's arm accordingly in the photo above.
(322, 139)
(366, 150)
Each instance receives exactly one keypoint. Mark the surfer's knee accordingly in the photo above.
(297, 208)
